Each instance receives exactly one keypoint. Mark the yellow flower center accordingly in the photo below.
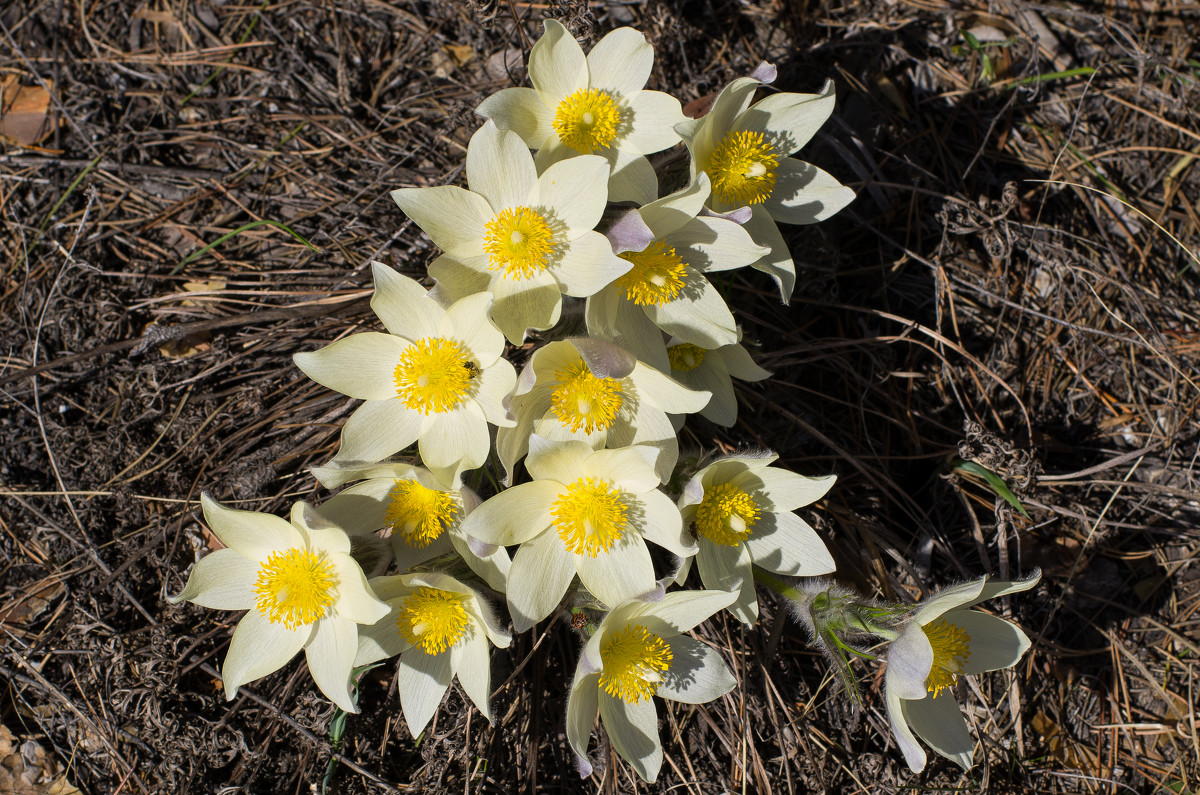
(419, 514)
(951, 649)
(433, 619)
(656, 277)
(581, 400)
(518, 242)
(726, 515)
(295, 587)
(742, 169)
(590, 517)
(433, 375)
(587, 120)
(685, 356)
(634, 661)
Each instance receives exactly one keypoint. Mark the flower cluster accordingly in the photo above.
(578, 499)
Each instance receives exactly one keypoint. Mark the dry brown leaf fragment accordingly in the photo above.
(24, 111)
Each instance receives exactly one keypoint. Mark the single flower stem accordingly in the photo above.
(780, 587)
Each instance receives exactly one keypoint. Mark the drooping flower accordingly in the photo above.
(745, 151)
(438, 378)
(586, 513)
(594, 391)
(639, 651)
(593, 104)
(526, 239)
(419, 514)
(945, 639)
(741, 511)
(440, 628)
(666, 290)
(713, 371)
(300, 588)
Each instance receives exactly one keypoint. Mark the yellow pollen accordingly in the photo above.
(418, 513)
(656, 277)
(726, 515)
(518, 242)
(295, 587)
(590, 517)
(634, 661)
(433, 619)
(951, 650)
(432, 376)
(742, 169)
(581, 400)
(685, 356)
(587, 120)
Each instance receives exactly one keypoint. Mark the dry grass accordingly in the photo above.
(1016, 284)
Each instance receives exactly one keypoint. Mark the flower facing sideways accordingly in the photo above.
(945, 639)
(639, 651)
(713, 370)
(440, 628)
(300, 588)
(438, 378)
(592, 104)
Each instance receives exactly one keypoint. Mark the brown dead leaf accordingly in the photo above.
(1070, 752)
(24, 112)
(32, 603)
(26, 769)
(461, 54)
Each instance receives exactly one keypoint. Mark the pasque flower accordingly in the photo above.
(438, 378)
(945, 639)
(300, 588)
(713, 370)
(593, 104)
(639, 651)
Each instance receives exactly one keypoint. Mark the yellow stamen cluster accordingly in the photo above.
(685, 356)
(590, 517)
(726, 515)
(634, 661)
(656, 277)
(518, 242)
(433, 619)
(951, 649)
(581, 400)
(587, 120)
(419, 514)
(742, 168)
(295, 587)
(433, 376)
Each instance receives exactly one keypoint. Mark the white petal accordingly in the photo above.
(541, 571)
(662, 524)
(778, 263)
(356, 601)
(914, 754)
(588, 265)
(494, 385)
(223, 580)
(723, 568)
(697, 674)
(499, 167)
(452, 441)
(528, 303)
(467, 323)
(633, 730)
(377, 429)
(786, 544)
(655, 115)
(563, 462)
(995, 643)
(255, 535)
(789, 120)
(805, 194)
(632, 179)
(457, 279)
(909, 661)
(409, 556)
(711, 376)
(964, 594)
(403, 304)
(666, 393)
(630, 469)
(453, 218)
(514, 515)
(699, 315)
(362, 508)
(619, 574)
(330, 656)
(522, 111)
(740, 365)
(701, 135)
(362, 366)
(629, 327)
(670, 214)
(573, 192)
(677, 612)
(582, 705)
(939, 722)
(423, 679)
(470, 660)
(557, 65)
(620, 62)
(714, 244)
(259, 647)
(993, 588)
(382, 639)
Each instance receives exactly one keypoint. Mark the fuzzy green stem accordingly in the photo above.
(779, 586)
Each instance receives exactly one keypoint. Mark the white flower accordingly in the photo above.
(593, 104)
(440, 628)
(527, 239)
(944, 639)
(671, 250)
(740, 509)
(638, 651)
(438, 379)
(594, 391)
(420, 514)
(586, 513)
(744, 149)
(714, 371)
(300, 588)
